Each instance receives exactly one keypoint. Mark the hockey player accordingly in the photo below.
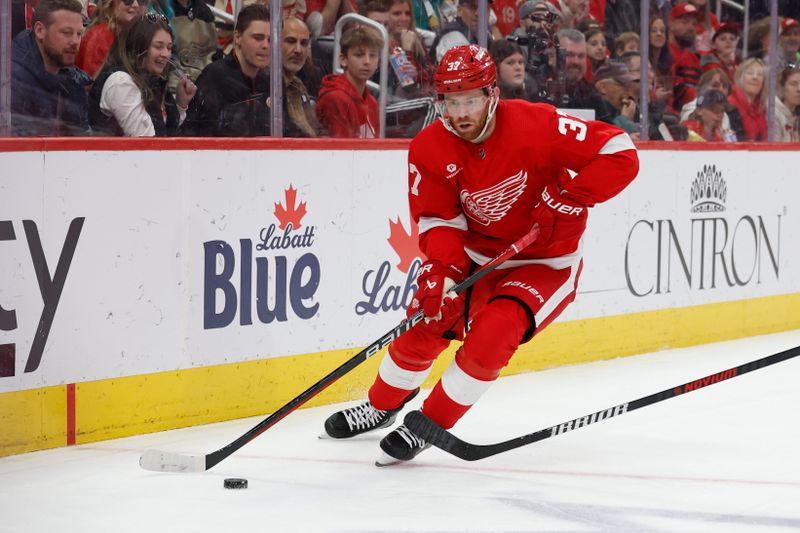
(479, 179)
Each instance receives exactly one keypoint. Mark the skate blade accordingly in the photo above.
(324, 436)
(386, 460)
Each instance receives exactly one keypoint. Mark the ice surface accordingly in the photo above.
(724, 458)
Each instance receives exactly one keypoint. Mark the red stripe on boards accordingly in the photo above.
(70, 414)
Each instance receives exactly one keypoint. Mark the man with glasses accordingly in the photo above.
(481, 177)
(536, 17)
(48, 92)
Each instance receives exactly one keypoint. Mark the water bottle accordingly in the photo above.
(403, 67)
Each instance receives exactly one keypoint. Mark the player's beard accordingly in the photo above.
(475, 128)
(478, 126)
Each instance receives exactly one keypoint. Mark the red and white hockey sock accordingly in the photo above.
(453, 396)
(496, 333)
(395, 381)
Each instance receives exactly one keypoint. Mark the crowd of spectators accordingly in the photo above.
(171, 68)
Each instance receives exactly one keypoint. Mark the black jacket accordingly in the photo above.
(228, 103)
(44, 104)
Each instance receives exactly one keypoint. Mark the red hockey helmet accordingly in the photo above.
(464, 68)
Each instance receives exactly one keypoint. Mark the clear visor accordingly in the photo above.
(458, 106)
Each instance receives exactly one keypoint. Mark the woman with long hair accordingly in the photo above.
(660, 59)
(111, 17)
(787, 105)
(749, 96)
(129, 96)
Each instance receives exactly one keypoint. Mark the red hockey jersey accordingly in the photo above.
(472, 201)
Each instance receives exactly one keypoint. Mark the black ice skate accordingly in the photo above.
(400, 445)
(361, 418)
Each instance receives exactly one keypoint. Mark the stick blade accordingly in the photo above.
(431, 432)
(160, 461)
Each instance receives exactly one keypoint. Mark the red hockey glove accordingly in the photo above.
(555, 211)
(434, 280)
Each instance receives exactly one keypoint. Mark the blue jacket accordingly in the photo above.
(43, 104)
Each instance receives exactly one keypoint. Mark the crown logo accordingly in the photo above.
(709, 191)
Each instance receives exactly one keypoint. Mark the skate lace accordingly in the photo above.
(412, 440)
(363, 416)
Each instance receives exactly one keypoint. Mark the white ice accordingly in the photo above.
(724, 458)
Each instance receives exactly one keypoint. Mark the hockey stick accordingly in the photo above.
(162, 461)
(428, 430)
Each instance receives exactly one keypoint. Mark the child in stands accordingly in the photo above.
(345, 106)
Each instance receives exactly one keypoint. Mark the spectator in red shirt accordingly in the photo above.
(706, 120)
(345, 107)
(750, 96)
(111, 18)
(706, 24)
(686, 64)
(723, 50)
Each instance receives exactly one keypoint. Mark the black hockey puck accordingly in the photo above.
(235, 483)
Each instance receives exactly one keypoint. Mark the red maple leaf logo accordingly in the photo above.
(405, 245)
(290, 214)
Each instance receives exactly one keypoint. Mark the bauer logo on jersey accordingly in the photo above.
(492, 204)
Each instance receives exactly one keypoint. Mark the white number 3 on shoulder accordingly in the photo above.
(417, 178)
(565, 122)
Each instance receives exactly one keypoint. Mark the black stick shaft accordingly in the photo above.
(441, 438)
(214, 458)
